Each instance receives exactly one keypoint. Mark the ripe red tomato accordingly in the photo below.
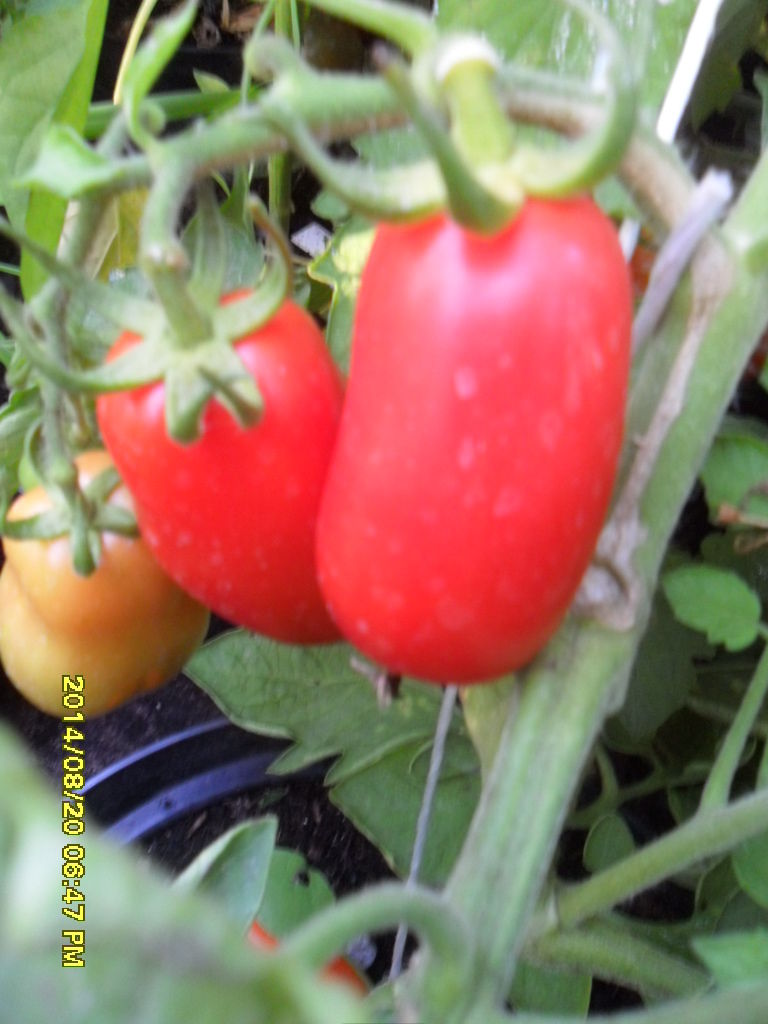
(338, 970)
(479, 439)
(231, 517)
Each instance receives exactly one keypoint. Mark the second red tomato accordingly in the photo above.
(478, 446)
(231, 517)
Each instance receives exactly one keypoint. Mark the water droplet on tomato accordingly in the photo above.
(507, 502)
(466, 453)
(465, 383)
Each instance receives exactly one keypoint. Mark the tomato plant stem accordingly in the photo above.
(745, 1004)
(609, 951)
(707, 834)
(718, 786)
(279, 164)
(164, 260)
(548, 734)
(380, 907)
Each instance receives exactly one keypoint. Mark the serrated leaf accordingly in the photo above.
(293, 893)
(366, 798)
(313, 696)
(750, 863)
(716, 602)
(736, 465)
(341, 267)
(735, 958)
(234, 869)
(609, 841)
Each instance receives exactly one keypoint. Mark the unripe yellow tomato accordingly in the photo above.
(126, 628)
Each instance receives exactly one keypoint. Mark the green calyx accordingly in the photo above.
(83, 513)
(187, 338)
(453, 92)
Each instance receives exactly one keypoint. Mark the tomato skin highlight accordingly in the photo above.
(126, 628)
(338, 970)
(479, 441)
(231, 517)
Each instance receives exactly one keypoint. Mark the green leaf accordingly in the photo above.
(234, 869)
(550, 35)
(17, 417)
(46, 212)
(736, 467)
(735, 958)
(716, 602)
(609, 840)
(544, 990)
(313, 696)
(292, 894)
(716, 888)
(208, 83)
(63, 38)
(663, 673)
(243, 255)
(742, 914)
(154, 54)
(328, 206)
(341, 267)
(115, 246)
(750, 863)
(66, 165)
(718, 549)
(152, 953)
(366, 798)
